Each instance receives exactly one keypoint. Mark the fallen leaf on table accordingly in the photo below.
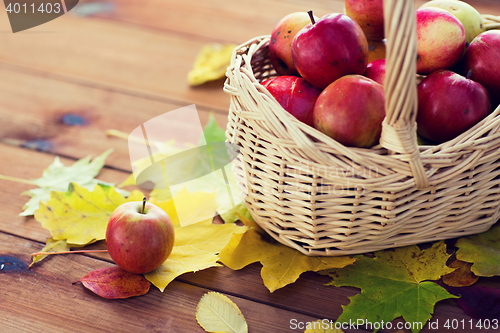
(211, 63)
(51, 245)
(217, 313)
(462, 276)
(322, 326)
(394, 283)
(80, 216)
(483, 250)
(114, 283)
(281, 265)
(57, 177)
(478, 302)
(196, 247)
(191, 206)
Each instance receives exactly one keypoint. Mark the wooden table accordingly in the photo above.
(116, 68)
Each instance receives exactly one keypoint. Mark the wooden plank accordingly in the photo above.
(113, 56)
(44, 299)
(227, 21)
(211, 20)
(34, 110)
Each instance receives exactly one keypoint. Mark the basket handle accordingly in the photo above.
(399, 134)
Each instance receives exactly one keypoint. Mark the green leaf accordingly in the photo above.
(394, 284)
(482, 250)
(212, 132)
(57, 177)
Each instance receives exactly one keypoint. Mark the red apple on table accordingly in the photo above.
(295, 95)
(483, 59)
(329, 48)
(351, 111)
(139, 236)
(280, 53)
(369, 14)
(448, 105)
(375, 70)
(440, 40)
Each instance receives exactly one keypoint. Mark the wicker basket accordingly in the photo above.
(322, 198)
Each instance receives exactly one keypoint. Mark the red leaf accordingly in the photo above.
(114, 282)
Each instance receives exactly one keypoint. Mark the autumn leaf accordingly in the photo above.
(483, 250)
(462, 276)
(394, 283)
(211, 63)
(51, 245)
(196, 247)
(321, 326)
(281, 265)
(114, 283)
(80, 216)
(217, 313)
(57, 177)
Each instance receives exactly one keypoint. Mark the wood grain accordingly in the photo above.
(35, 109)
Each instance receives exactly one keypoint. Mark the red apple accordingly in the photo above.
(280, 53)
(449, 104)
(369, 14)
(295, 95)
(328, 49)
(440, 40)
(375, 70)
(483, 59)
(139, 236)
(351, 111)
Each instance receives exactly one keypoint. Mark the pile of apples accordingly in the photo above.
(325, 80)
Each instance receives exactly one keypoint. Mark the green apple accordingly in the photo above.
(467, 15)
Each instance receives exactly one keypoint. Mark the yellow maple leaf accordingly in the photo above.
(186, 208)
(51, 245)
(196, 247)
(217, 313)
(281, 265)
(80, 216)
(211, 63)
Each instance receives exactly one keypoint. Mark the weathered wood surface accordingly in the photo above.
(117, 69)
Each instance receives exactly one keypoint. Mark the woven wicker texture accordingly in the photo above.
(322, 198)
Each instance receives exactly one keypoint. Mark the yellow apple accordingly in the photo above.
(465, 13)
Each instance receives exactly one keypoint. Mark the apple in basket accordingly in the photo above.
(329, 48)
(280, 53)
(375, 70)
(470, 18)
(351, 111)
(139, 236)
(440, 40)
(369, 14)
(449, 104)
(295, 95)
(483, 58)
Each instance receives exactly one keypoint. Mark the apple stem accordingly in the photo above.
(311, 16)
(68, 252)
(469, 74)
(143, 204)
